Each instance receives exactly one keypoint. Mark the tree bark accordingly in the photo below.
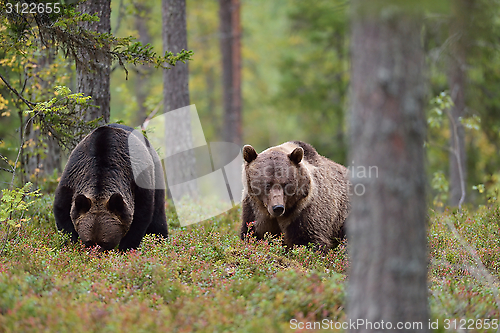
(457, 82)
(93, 71)
(178, 135)
(230, 45)
(386, 227)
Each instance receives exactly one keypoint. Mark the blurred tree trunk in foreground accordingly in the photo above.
(457, 80)
(386, 227)
(176, 95)
(92, 69)
(230, 45)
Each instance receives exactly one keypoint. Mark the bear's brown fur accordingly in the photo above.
(99, 200)
(292, 190)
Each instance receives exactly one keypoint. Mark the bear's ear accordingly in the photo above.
(82, 204)
(115, 204)
(296, 155)
(249, 153)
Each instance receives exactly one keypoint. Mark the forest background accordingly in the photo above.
(295, 79)
(295, 86)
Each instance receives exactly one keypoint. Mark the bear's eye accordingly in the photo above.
(289, 189)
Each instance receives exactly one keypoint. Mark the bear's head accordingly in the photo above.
(278, 177)
(101, 221)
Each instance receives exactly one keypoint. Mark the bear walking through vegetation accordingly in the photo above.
(292, 190)
(101, 200)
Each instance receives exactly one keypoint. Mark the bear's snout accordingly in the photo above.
(101, 229)
(104, 243)
(276, 201)
(278, 210)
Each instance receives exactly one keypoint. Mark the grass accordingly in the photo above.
(204, 278)
(465, 265)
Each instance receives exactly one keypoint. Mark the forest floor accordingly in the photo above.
(204, 278)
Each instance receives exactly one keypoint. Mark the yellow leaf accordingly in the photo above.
(3, 105)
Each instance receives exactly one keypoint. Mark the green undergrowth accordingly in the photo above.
(204, 278)
(464, 270)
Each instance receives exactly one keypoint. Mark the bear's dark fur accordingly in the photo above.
(292, 190)
(98, 198)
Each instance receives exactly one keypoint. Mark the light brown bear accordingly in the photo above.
(292, 190)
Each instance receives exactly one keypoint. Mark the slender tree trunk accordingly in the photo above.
(52, 160)
(35, 165)
(181, 167)
(458, 173)
(176, 80)
(142, 86)
(211, 81)
(235, 118)
(386, 227)
(230, 45)
(457, 81)
(93, 71)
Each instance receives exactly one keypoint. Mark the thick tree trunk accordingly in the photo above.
(457, 81)
(176, 95)
(386, 227)
(230, 45)
(93, 71)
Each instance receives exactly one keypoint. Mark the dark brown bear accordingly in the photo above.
(292, 190)
(99, 199)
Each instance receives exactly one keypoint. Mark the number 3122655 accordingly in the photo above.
(33, 8)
